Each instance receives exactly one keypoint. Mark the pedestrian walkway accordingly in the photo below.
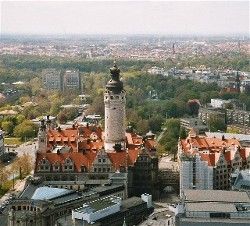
(18, 188)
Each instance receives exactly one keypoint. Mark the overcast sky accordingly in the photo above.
(125, 17)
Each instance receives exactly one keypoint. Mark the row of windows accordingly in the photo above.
(103, 170)
(114, 97)
(29, 207)
(56, 167)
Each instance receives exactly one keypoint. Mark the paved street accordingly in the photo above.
(29, 148)
(166, 163)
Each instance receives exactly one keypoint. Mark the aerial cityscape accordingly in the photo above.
(124, 113)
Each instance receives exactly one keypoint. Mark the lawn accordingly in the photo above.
(12, 141)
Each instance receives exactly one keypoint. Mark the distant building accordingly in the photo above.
(207, 113)
(52, 79)
(72, 80)
(238, 117)
(214, 208)
(195, 124)
(218, 103)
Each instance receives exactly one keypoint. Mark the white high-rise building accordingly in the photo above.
(115, 100)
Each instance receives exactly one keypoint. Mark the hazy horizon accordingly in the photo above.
(64, 18)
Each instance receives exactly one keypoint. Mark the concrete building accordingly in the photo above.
(239, 117)
(195, 124)
(215, 208)
(52, 79)
(72, 80)
(206, 113)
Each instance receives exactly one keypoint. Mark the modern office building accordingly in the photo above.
(52, 79)
(72, 80)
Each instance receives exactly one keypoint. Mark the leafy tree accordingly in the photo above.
(4, 174)
(193, 107)
(155, 123)
(229, 106)
(182, 133)
(171, 135)
(216, 124)
(23, 165)
(8, 127)
(20, 119)
(62, 117)
(26, 130)
(67, 114)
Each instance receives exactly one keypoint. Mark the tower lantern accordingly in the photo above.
(114, 101)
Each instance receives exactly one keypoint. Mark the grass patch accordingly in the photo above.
(12, 141)
(6, 187)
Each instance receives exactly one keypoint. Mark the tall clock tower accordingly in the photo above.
(115, 101)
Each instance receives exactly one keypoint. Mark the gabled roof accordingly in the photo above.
(132, 155)
(118, 159)
(79, 159)
(82, 144)
(211, 158)
(210, 148)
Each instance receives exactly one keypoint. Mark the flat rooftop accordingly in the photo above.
(97, 205)
(216, 196)
(210, 207)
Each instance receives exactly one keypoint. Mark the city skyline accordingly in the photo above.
(125, 17)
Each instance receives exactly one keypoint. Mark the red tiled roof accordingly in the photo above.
(211, 158)
(132, 155)
(78, 139)
(118, 159)
(214, 146)
(79, 159)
